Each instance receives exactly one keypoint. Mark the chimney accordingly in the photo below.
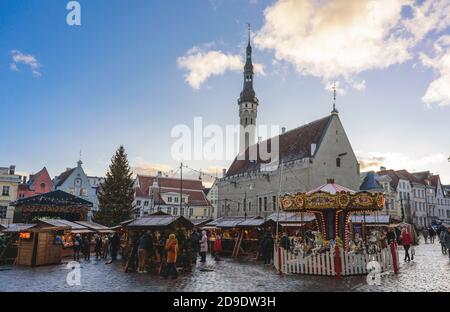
(12, 169)
(224, 172)
(283, 130)
(382, 168)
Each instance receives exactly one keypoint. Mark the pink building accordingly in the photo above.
(38, 183)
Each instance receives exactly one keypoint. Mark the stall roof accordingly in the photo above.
(72, 226)
(95, 226)
(385, 219)
(291, 217)
(18, 227)
(198, 222)
(158, 221)
(62, 222)
(231, 222)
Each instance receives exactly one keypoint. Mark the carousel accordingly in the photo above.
(333, 205)
(332, 249)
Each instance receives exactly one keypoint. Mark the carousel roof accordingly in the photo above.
(332, 196)
(331, 187)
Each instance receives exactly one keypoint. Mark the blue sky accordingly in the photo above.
(119, 78)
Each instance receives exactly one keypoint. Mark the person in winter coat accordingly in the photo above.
(442, 240)
(203, 247)
(431, 234)
(447, 241)
(406, 240)
(145, 250)
(285, 242)
(115, 246)
(86, 248)
(267, 248)
(196, 237)
(77, 247)
(98, 247)
(105, 246)
(171, 248)
(391, 237)
(186, 252)
(217, 247)
(425, 234)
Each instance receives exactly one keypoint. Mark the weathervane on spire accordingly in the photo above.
(334, 98)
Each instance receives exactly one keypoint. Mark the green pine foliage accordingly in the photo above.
(117, 193)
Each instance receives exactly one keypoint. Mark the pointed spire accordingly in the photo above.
(334, 111)
(249, 33)
(248, 94)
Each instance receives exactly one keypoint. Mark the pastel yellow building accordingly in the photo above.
(9, 183)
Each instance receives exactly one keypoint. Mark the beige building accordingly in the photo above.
(9, 183)
(159, 193)
(308, 156)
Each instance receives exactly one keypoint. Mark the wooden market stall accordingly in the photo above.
(68, 236)
(294, 222)
(39, 246)
(10, 234)
(240, 235)
(160, 225)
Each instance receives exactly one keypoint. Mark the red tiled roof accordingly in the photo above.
(192, 188)
(407, 176)
(434, 180)
(391, 174)
(396, 175)
(293, 144)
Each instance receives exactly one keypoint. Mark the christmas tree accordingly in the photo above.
(117, 193)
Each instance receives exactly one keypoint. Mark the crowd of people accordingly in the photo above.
(442, 233)
(104, 245)
(180, 249)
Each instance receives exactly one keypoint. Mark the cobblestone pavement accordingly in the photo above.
(430, 271)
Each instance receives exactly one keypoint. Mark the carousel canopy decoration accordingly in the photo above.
(332, 196)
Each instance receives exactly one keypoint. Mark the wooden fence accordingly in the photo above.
(327, 263)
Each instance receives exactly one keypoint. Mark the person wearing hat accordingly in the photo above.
(172, 253)
(76, 247)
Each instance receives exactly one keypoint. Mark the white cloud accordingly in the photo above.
(201, 64)
(342, 38)
(397, 161)
(26, 59)
(438, 91)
